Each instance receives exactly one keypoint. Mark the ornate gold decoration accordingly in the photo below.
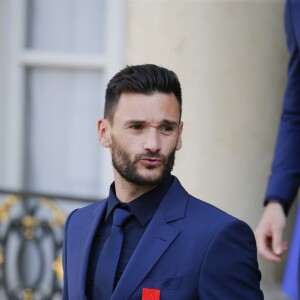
(58, 215)
(29, 222)
(6, 206)
(1, 259)
(27, 294)
(58, 268)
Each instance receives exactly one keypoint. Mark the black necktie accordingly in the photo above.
(108, 261)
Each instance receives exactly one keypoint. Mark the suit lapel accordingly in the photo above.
(89, 231)
(156, 240)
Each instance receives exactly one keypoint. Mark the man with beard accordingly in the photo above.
(150, 239)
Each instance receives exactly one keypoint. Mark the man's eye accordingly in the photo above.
(167, 129)
(136, 127)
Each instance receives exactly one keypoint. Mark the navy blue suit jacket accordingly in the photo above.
(284, 180)
(190, 250)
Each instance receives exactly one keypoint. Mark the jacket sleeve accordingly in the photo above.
(230, 268)
(285, 171)
(65, 295)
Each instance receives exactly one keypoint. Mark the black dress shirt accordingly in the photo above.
(143, 209)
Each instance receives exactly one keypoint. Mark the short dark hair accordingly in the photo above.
(146, 79)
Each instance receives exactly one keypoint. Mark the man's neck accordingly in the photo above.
(127, 191)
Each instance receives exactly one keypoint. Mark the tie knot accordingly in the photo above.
(120, 216)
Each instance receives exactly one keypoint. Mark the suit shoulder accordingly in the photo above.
(199, 211)
(90, 207)
(214, 227)
(85, 211)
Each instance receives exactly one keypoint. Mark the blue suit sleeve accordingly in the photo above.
(230, 269)
(285, 172)
(65, 295)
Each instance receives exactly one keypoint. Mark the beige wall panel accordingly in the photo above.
(231, 58)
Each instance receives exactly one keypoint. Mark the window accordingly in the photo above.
(56, 60)
(56, 57)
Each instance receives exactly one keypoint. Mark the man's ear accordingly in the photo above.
(179, 141)
(104, 133)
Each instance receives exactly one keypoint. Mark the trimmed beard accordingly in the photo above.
(127, 168)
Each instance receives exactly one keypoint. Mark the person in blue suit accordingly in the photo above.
(284, 180)
(174, 246)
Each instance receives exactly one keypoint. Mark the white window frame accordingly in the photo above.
(20, 59)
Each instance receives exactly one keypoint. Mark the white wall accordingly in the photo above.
(231, 59)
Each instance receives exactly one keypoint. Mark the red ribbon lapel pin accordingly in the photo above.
(150, 294)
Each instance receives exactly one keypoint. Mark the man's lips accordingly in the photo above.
(151, 161)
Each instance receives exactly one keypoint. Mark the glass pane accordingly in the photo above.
(63, 150)
(66, 25)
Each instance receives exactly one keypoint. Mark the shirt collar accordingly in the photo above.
(143, 207)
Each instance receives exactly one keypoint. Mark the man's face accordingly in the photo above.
(143, 137)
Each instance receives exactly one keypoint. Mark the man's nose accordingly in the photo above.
(152, 141)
